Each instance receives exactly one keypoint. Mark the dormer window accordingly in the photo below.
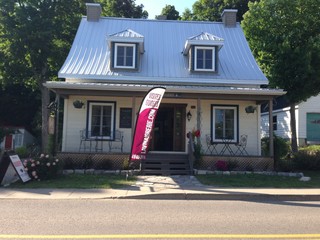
(124, 55)
(124, 48)
(203, 52)
(204, 59)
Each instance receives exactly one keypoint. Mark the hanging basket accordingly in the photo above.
(78, 104)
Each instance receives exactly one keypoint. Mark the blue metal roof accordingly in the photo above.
(162, 60)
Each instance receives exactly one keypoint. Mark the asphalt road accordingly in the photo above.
(158, 219)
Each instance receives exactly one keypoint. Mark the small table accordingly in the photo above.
(226, 146)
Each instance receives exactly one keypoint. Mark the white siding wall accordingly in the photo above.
(248, 124)
(284, 130)
(310, 106)
(283, 124)
(75, 120)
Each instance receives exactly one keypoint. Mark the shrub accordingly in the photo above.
(88, 163)
(43, 167)
(125, 164)
(232, 164)
(281, 149)
(104, 164)
(221, 165)
(22, 152)
(307, 158)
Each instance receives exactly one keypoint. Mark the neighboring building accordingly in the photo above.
(307, 120)
(207, 68)
(19, 137)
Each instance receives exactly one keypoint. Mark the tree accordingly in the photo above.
(35, 36)
(210, 10)
(18, 105)
(187, 15)
(285, 38)
(123, 8)
(170, 12)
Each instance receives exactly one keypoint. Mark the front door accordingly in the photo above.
(8, 142)
(169, 129)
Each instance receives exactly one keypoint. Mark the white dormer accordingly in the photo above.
(125, 47)
(203, 52)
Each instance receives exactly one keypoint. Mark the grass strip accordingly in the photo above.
(79, 181)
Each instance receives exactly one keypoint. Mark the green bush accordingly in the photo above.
(105, 164)
(281, 147)
(22, 152)
(307, 158)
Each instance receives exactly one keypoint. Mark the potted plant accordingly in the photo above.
(78, 104)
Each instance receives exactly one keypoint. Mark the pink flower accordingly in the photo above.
(57, 160)
(33, 165)
(42, 155)
(34, 173)
(48, 164)
(47, 156)
(37, 162)
(53, 163)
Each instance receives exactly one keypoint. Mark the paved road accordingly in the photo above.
(123, 219)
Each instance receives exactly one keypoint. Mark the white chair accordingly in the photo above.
(241, 145)
(117, 142)
(84, 139)
(211, 147)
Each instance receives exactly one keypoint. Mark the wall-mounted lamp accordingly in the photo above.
(250, 109)
(189, 115)
(78, 104)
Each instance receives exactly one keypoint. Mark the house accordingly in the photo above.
(211, 78)
(307, 120)
(17, 137)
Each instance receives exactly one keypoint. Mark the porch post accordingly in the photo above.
(57, 122)
(271, 150)
(199, 116)
(133, 120)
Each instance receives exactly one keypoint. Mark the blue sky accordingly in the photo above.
(154, 7)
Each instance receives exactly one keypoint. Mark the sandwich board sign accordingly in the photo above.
(17, 165)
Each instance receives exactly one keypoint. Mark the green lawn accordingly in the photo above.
(79, 181)
(263, 181)
(119, 181)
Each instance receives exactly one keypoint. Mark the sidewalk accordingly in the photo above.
(166, 187)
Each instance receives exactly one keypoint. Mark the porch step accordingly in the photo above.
(166, 164)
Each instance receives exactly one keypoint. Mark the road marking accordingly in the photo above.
(168, 236)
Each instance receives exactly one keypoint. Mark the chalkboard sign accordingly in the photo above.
(125, 117)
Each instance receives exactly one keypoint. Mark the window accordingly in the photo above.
(204, 59)
(224, 123)
(125, 117)
(274, 123)
(125, 56)
(101, 119)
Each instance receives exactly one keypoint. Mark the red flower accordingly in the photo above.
(197, 133)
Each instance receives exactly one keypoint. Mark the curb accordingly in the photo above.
(225, 197)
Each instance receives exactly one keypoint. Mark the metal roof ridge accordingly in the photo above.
(155, 20)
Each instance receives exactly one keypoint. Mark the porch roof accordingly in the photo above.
(174, 91)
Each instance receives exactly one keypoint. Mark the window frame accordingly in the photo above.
(235, 118)
(274, 122)
(195, 62)
(115, 58)
(113, 119)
